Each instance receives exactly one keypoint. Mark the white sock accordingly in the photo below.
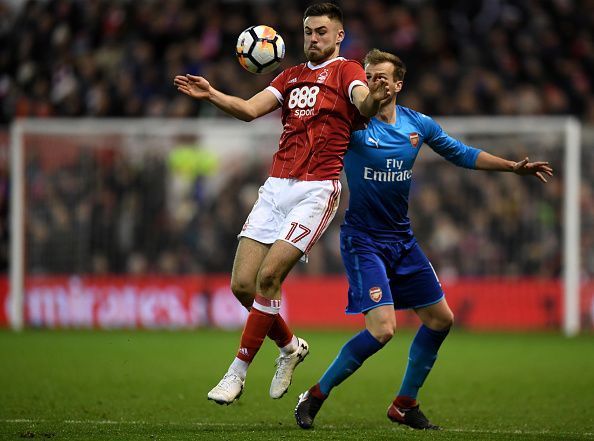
(291, 347)
(240, 367)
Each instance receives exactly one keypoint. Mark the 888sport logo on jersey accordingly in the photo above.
(302, 100)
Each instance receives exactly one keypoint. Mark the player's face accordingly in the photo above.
(375, 72)
(322, 37)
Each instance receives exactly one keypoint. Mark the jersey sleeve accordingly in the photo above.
(278, 86)
(352, 75)
(450, 148)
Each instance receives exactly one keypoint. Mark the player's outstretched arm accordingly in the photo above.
(541, 169)
(246, 110)
(368, 100)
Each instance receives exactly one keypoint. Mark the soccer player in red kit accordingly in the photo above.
(320, 101)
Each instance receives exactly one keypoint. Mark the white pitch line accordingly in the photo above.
(517, 432)
(123, 422)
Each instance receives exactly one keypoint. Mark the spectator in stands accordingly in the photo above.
(116, 58)
(65, 57)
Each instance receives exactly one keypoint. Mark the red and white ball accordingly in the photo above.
(260, 49)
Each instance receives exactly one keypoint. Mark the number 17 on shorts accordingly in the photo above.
(297, 212)
(310, 216)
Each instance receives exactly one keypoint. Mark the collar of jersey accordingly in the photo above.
(396, 124)
(324, 64)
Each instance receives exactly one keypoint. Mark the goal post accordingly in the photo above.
(571, 232)
(234, 141)
(570, 127)
(17, 228)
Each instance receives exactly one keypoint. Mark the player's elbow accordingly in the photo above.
(247, 117)
(246, 112)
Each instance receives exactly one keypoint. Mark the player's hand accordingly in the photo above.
(379, 89)
(194, 86)
(539, 169)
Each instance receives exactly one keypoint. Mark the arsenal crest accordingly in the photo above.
(414, 139)
(375, 293)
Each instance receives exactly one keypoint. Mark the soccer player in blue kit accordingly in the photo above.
(385, 266)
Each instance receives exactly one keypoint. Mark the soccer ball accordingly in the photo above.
(260, 49)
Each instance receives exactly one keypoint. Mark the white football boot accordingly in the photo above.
(285, 365)
(228, 390)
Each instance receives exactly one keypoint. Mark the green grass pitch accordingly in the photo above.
(84, 385)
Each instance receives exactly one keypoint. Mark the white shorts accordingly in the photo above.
(297, 212)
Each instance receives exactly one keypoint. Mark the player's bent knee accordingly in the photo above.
(386, 335)
(242, 289)
(383, 333)
(448, 321)
(441, 322)
(244, 292)
(268, 281)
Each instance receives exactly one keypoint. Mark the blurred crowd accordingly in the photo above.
(109, 212)
(118, 57)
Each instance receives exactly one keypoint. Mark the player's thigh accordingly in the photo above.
(413, 281)
(381, 322)
(248, 258)
(265, 221)
(369, 286)
(280, 259)
(310, 206)
(438, 316)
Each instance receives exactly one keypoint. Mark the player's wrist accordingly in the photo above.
(211, 94)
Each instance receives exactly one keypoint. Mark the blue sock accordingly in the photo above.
(349, 359)
(421, 357)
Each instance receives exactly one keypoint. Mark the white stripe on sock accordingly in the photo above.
(268, 309)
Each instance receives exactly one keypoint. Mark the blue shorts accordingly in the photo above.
(387, 273)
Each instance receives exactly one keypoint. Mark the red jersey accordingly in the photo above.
(317, 115)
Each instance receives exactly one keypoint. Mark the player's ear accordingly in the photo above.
(398, 86)
(340, 36)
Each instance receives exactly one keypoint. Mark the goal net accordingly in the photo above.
(126, 201)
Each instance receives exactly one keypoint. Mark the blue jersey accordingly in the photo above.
(378, 167)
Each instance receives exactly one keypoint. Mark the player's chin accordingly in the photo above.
(386, 100)
(318, 55)
(313, 55)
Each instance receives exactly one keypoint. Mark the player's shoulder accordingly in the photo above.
(411, 113)
(292, 70)
(414, 117)
(296, 68)
(348, 63)
(288, 76)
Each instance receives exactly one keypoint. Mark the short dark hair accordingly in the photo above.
(330, 10)
(375, 56)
